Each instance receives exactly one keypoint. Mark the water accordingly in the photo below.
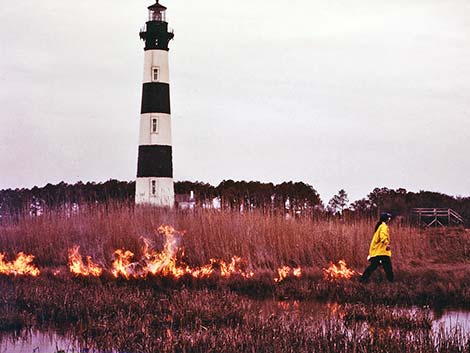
(452, 320)
(34, 341)
(447, 320)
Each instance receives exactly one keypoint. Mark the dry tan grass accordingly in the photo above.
(265, 241)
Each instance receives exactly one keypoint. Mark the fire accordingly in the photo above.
(21, 266)
(77, 266)
(337, 272)
(122, 264)
(297, 272)
(235, 266)
(204, 271)
(165, 262)
(224, 269)
(284, 271)
(152, 262)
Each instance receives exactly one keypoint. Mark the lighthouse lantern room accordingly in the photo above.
(154, 184)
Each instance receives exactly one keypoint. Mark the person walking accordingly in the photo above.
(379, 250)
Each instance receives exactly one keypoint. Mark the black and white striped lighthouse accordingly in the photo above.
(154, 184)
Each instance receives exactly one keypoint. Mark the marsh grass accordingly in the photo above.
(140, 317)
(265, 241)
(217, 314)
(431, 266)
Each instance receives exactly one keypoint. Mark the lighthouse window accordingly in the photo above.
(154, 125)
(155, 73)
(154, 187)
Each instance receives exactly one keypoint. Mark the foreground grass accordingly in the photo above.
(153, 317)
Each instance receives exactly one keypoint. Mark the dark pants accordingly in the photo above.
(376, 262)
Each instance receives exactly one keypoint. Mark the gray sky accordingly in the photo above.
(338, 93)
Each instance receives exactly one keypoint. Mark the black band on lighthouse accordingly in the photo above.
(155, 98)
(156, 35)
(155, 161)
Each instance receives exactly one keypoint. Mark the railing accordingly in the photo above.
(143, 29)
(436, 216)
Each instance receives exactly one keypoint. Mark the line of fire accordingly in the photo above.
(164, 263)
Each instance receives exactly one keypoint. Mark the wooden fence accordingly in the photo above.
(437, 216)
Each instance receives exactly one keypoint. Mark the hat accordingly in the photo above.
(385, 216)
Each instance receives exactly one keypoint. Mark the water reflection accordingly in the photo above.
(419, 318)
(355, 318)
(451, 320)
(35, 341)
(28, 341)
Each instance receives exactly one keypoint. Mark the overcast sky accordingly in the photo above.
(336, 93)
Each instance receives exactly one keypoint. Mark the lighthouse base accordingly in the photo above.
(155, 192)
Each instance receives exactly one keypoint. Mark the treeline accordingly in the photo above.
(293, 198)
(54, 197)
(296, 197)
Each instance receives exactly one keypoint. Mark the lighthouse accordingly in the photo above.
(154, 184)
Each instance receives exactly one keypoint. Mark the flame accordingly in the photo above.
(338, 272)
(151, 263)
(77, 266)
(21, 266)
(222, 268)
(297, 272)
(284, 271)
(204, 271)
(234, 267)
(122, 264)
(165, 262)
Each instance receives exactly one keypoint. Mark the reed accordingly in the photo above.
(264, 241)
(431, 266)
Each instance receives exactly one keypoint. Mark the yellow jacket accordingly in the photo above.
(380, 241)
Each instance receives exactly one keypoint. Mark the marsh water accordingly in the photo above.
(50, 341)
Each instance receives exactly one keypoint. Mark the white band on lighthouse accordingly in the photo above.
(154, 184)
(156, 66)
(155, 129)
